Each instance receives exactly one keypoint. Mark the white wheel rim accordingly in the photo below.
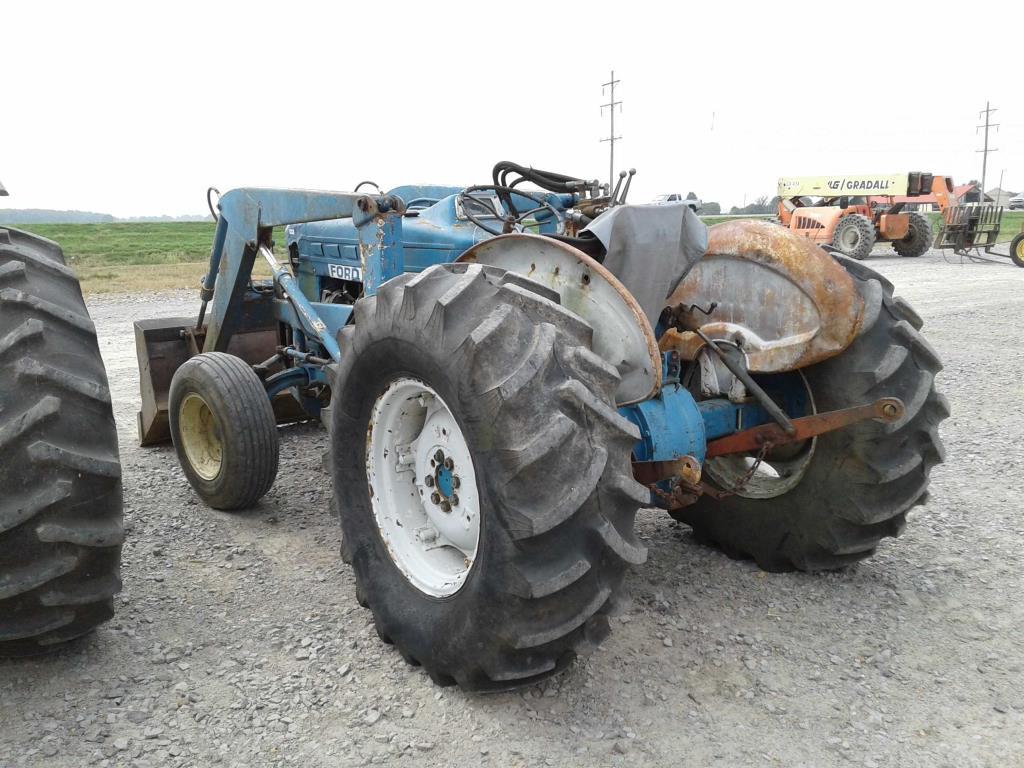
(850, 238)
(423, 487)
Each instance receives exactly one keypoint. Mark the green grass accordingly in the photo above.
(712, 220)
(98, 245)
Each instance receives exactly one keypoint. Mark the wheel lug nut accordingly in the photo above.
(455, 499)
(429, 480)
(435, 497)
(439, 456)
(455, 481)
(449, 464)
(445, 506)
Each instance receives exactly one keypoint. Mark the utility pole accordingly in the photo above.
(987, 112)
(999, 194)
(612, 138)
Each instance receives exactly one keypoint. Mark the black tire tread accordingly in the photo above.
(918, 239)
(867, 235)
(885, 468)
(247, 422)
(572, 544)
(61, 525)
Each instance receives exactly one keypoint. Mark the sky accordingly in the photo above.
(136, 108)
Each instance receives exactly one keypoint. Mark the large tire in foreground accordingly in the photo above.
(60, 477)
(223, 429)
(919, 237)
(854, 236)
(550, 468)
(860, 481)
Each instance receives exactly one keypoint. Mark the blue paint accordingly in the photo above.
(444, 481)
(354, 243)
(671, 426)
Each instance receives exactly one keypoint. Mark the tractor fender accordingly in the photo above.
(785, 301)
(623, 336)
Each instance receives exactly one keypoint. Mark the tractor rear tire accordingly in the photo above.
(1017, 250)
(861, 480)
(918, 240)
(550, 457)
(854, 236)
(61, 524)
(224, 431)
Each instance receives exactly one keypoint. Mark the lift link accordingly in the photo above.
(886, 409)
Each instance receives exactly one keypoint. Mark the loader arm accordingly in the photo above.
(246, 218)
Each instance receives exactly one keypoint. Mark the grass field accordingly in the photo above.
(121, 258)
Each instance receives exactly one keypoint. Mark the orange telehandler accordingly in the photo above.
(855, 212)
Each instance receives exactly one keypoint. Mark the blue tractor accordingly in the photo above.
(509, 372)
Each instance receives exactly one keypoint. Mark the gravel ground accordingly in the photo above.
(238, 640)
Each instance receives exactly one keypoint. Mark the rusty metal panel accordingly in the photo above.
(783, 300)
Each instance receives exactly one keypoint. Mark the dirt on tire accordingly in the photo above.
(918, 240)
(860, 246)
(861, 480)
(61, 524)
(557, 534)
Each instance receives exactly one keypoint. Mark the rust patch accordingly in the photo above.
(783, 300)
(886, 410)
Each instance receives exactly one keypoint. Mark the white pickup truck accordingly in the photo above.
(676, 197)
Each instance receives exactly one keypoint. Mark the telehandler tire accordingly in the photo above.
(61, 524)
(918, 240)
(854, 236)
(859, 482)
(469, 381)
(223, 429)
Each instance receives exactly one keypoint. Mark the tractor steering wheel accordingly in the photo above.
(513, 221)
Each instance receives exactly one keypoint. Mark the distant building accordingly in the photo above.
(1000, 196)
(970, 193)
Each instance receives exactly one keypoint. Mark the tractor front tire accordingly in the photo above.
(223, 429)
(861, 480)
(919, 237)
(854, 236)
(555, 501)
(61, 524)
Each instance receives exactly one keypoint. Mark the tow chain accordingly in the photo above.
(739, 486)
(682, 489)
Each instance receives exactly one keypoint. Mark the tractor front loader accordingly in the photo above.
(508, 372)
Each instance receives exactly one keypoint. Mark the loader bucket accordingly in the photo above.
(163, 344)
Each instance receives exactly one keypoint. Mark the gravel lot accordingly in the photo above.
(238, 640)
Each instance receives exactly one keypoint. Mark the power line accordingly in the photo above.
(612, 138)
(987, 112)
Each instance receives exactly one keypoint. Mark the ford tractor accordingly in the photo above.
(508, 372)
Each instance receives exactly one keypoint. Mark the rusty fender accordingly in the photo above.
(783, 299)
